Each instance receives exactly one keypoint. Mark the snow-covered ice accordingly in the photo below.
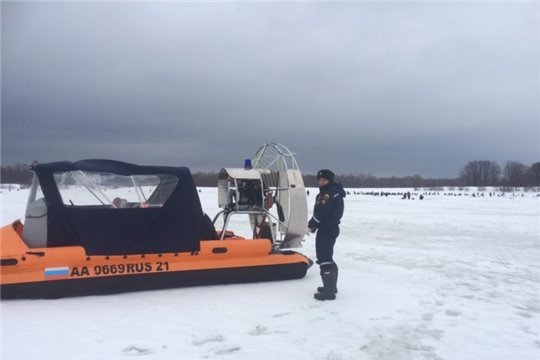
(443, 278)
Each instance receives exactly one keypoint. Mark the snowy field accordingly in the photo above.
(443, 278)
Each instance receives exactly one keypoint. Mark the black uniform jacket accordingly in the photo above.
(329, 206)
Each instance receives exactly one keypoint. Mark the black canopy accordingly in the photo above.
(176, 226)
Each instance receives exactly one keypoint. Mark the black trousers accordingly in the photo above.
(324, 245)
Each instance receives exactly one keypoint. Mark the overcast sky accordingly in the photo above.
(383, 88)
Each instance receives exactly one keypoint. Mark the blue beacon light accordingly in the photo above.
(247, 164)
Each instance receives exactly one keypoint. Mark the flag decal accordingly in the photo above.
(57, 273)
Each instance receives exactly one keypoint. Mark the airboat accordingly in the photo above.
(96, 227)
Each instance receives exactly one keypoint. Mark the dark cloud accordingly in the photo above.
(390, 88)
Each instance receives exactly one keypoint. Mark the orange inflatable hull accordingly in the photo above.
(55, 272)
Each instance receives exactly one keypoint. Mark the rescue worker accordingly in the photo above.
(327, 214)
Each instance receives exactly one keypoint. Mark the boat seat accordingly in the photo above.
(35, 224)
(209, 231)
(119, 203)
(228, 235)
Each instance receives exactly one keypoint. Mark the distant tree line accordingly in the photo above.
(209, 179)
(371, 181)
(489, 173)
(16, 174)
(478, 173)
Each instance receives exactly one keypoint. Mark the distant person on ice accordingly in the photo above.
(327, 214)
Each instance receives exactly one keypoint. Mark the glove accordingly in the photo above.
(310, 231)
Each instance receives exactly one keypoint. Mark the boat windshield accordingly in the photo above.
(113, 191)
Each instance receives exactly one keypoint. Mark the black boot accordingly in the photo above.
(321, 288)
(329, 279)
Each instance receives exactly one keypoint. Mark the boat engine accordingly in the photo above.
(270, 190)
